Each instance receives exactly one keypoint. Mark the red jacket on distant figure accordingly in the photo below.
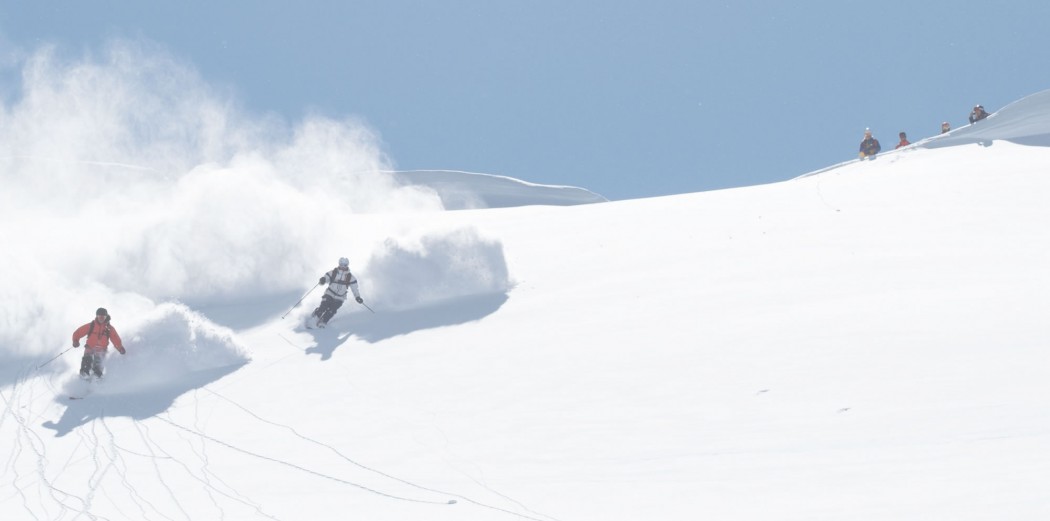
(904, 140)
(98, 332)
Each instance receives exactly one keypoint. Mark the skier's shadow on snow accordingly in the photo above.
(130, 403)
(383, 324)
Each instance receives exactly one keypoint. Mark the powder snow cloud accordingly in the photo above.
(130, 181)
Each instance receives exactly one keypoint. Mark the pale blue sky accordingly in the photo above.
(627, 98)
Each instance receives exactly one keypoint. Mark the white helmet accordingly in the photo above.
(344, 262)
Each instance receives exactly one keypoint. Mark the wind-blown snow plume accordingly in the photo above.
(440, 266)
(128, 179)
(167, 345)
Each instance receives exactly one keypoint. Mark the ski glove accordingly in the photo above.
(321, 281)
(360, 300)
(76, 344)
(121, 350)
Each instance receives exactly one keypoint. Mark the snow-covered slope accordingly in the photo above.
(1024, 122)
(461, 190)
(864, 343)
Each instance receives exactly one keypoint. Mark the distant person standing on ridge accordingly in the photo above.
(904, 140)
(869, 146)
(339, 280)
(98, 332)
(978, 114)
(945, 127)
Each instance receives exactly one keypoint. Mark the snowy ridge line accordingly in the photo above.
(394, 478)
(890, 153)
(462, 190)
(1024, 121)
(827, 169)
(480, 174)
(297, 467)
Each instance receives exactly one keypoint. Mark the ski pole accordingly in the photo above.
(53, 359)
(368, 308)
(300, 300)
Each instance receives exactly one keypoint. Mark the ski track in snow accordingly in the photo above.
(135, 464)
(143, 482)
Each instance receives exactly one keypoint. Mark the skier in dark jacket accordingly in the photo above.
(339, 280)
(977, 114)
(99, 332)
(869, 146)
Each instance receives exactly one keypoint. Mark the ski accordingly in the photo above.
(309, 323)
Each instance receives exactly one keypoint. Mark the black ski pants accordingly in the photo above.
(327, 308)
(91, 364)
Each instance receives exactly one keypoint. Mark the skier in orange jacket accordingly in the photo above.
(99, 332)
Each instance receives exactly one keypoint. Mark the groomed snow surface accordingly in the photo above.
(870, 342)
